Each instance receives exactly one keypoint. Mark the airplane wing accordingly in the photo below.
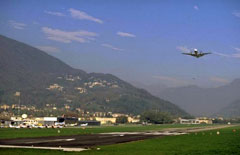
(207, 53)
(187, 53)
(202, 54)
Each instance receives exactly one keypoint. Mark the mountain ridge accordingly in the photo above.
(203, 101)
(232, 110)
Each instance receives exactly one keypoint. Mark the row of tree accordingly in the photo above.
(156, 117)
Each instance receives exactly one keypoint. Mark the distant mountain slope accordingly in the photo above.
(155, 89)
(231, 110)
(203, 101)
(43, 79)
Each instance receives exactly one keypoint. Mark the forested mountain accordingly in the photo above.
(43, 79)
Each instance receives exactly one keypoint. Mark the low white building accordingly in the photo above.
(46, 120)
(189, 121)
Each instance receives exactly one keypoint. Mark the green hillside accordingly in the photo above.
(33, 72)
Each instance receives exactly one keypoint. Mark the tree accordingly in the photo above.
(122, 119)
(156, 117)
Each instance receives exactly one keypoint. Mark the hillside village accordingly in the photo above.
(92, 83)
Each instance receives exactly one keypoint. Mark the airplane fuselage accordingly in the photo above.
(196, 53)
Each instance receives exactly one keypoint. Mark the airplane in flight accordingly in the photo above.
(196, 53)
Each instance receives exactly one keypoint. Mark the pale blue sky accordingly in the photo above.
(134, 40)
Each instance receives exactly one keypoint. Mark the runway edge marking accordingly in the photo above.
(46, 148)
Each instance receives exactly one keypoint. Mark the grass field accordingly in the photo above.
(18, 133)
(202, 143)
(207, 142)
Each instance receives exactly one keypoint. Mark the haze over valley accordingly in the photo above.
(201, 101)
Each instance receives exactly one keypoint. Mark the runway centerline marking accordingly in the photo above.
(54, 140)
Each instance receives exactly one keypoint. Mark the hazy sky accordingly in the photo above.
(136, 40)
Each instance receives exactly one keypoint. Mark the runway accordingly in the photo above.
(78, 141)
(88, 141)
